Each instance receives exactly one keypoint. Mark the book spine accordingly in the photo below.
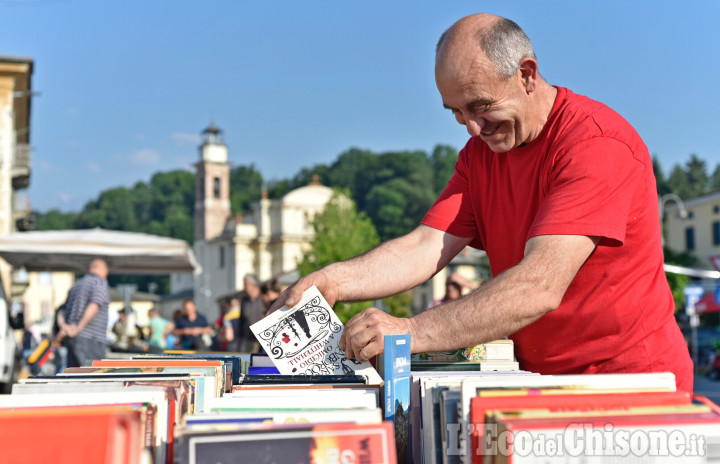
(396, 362)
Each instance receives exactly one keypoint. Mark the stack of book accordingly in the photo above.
(305, 402)
(519, 417)
(161, 392)
(291, 418)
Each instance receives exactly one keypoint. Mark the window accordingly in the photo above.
(716, 233)
(689, 239)
(216, 187)
(690, 215)
(222, 257)
(716, 209)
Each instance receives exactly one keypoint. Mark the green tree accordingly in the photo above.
(54, 220)
(443, 159)
(678, 282)
(715, 179)
(245, 187)
(691, 180)
(341, 233)
(662, 186)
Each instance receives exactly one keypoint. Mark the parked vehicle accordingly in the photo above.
(10, 354)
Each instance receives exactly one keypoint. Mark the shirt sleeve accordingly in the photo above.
(452, 212)
(99, 293)
(590, 192)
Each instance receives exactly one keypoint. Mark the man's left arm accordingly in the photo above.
(90, 311)
(512, 300)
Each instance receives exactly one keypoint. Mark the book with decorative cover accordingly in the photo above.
(304, 340)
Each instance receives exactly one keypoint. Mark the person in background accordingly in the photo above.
(229, 325)
(270, 292)
(455, 286)
(191, 327)
(83, 321)
(252, 309)
(160, 328)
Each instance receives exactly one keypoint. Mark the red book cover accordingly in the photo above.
(642, 438)
(109, 435)
(550, 399)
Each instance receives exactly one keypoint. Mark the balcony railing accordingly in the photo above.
(21, 166)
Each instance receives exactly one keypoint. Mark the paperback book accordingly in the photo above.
(304, 340)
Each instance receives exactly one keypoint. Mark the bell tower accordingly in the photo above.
(212, 186)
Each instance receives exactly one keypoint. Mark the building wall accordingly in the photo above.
(7, 147)
(45, 292)
(15, 97)
(703, 214)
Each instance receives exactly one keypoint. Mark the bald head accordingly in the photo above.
(485, 37)
(99, 267)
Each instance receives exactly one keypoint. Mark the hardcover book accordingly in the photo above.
(304, 340)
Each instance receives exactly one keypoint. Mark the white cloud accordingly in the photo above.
(62, 198)
(93, 166)
(46, 166)
(145, 157)
(185, 138)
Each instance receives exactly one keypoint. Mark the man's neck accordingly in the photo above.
(545, 100)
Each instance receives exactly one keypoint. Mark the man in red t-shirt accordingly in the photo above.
(559, 190)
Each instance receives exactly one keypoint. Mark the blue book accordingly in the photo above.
(396, 363)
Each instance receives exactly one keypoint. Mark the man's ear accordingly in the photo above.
(528, 73)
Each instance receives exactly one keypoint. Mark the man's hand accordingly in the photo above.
(70, 331)
(364, 334)
(292, 295)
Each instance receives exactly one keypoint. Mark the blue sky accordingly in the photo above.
(127, 86)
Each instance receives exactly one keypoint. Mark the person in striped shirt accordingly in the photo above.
(83, 324)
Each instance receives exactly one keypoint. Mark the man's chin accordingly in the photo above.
(499, 147)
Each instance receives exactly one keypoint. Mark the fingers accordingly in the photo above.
(364, 334)
(293, 294)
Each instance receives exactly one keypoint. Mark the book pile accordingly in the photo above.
(303, 401)
(133, 405)
(521, 417)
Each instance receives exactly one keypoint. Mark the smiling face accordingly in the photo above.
(501, 97)
(491, 107)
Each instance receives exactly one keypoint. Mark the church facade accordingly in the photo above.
(267, 241)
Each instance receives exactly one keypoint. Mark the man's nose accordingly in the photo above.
(473, 127)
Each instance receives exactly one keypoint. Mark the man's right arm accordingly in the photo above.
(389, 269)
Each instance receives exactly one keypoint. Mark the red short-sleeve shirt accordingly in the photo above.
(587, 173)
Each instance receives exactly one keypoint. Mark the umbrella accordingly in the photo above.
(72, 250)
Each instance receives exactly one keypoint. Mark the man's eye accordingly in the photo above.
(480, 108)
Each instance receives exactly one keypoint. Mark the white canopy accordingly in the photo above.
(72, 250)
